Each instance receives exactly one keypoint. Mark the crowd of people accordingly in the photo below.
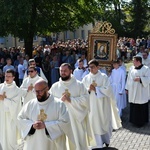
(129, 47)
(59, 100)
(48, 58)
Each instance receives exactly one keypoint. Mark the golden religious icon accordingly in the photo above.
(42, 116)
(67, 93)
(94, 83)
(31, 84)
(3, 96)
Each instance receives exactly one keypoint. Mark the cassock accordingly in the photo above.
(117, 80)
(56, 119)
(28, 81)
(78, 110)
(138, 94)
(9, 109)
(101, 108)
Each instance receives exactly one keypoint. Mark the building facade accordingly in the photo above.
(81, 32)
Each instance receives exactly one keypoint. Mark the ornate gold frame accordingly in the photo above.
(102, 34)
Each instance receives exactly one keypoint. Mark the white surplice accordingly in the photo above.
(26, 83)
(78, 110)
(117, 80)
(101, 108)
(57, 124)
(138, 92)
(146, 62)
(9, 109)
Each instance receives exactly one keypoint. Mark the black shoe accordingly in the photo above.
(97, 148)
(106, 144)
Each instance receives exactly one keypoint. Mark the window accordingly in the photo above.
(75, 34)
(21, 40)
(2, 40)
(82, 34)
(66, 35)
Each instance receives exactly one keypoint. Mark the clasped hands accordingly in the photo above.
(66, 97)
(92, 88)
(137, 79)
(39, 125)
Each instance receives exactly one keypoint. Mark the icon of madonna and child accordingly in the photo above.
(101, 51)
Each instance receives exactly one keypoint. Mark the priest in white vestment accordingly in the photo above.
(117, 81)
(138, 92)
(75, 96)
(10, 105)
(44, 121)
(28, 84)
(145, 59)
(101, 105)
(146, 62)
(32, 63)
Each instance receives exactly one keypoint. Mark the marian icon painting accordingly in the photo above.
(102, 43)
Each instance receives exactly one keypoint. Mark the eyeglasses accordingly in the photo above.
(40, 91)
(31, 71)
(32, 64)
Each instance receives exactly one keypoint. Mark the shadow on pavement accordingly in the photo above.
(109, 148)
(106, 148)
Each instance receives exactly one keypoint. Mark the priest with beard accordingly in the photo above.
(44, 121)
(75, 96)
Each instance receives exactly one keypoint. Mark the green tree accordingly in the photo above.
(128, 18)
(27, 18)
(111, 11)
(139, 17)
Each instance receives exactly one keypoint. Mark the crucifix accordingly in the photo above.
(31, 85)
(3, 96)
(67, 92)
(94, 83)
(42, 116)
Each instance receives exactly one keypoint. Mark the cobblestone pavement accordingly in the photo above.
(130, 137)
